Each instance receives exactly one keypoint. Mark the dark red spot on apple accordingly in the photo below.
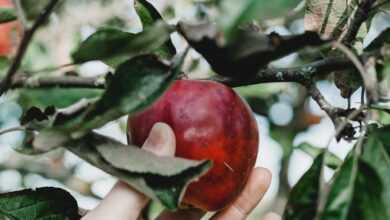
(212, 122)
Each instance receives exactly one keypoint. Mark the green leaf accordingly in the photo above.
(302, 202)
(235, 13)
(149, 16)
(250, 51)
(58, 97)
(368, 195)
(7, 15)
(135, 85)
(383, 135)
(39, 204)
(382, 106)
(380, 40)
(376, 153)
(331, 159)
(342, 189)
(114, 46)
(357, 191)
(161, 178)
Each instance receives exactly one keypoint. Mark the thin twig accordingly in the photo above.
(351, 56)
(360, 141)
(368, 84)
(8, 130)
(361, 15)
(58, 81)
(317, 96)
(27, 37)
(50, 69)
(324, 189)
(341, 126)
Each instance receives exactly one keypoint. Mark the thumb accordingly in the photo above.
(161, 140)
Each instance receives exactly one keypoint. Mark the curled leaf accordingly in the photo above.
(115, 46)
(302, 202)
(162, 178)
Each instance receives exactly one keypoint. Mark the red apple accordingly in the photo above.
(212, 122)
(6, 32)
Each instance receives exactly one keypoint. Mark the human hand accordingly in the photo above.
(125, 203)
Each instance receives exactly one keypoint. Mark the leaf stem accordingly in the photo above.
(13, 129)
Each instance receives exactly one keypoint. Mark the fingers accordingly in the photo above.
(272, 216)
(253, 192)
(123, 202)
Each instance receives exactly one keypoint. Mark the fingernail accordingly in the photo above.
(161, 140)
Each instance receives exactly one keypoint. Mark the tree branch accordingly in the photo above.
(7, 130)
(27, 37)
(58, 81)
(315, 93)
(358, 18)
(303, 74)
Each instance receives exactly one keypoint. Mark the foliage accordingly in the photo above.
(359, 189)
(41, 203)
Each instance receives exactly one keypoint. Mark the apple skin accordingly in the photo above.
(6, 31)
(210, 121)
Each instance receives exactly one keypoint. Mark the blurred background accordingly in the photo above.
(286, 117)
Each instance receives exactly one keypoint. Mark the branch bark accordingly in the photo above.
(27, 37)
(58, 81)
(303, 74)
(358, 18)
(315, 93)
